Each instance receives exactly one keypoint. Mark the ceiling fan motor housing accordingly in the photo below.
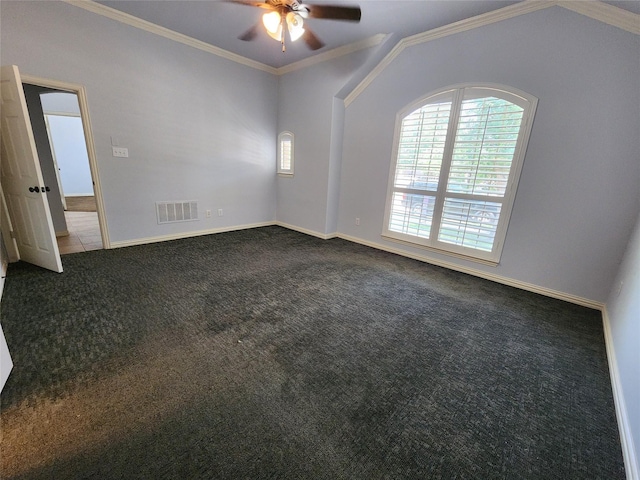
(292, 4)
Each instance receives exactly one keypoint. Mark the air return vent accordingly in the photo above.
(171, 212)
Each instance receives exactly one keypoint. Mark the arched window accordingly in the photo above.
(456, 164)
(285, 153)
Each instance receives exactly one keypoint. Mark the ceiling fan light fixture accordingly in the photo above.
(273, 24)
(295, 25)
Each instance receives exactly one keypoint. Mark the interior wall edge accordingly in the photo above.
(306, 231)
(626, 435)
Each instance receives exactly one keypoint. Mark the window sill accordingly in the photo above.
(491, 263)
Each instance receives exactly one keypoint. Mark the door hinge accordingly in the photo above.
(12, 234)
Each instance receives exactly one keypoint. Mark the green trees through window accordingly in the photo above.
(457, 157)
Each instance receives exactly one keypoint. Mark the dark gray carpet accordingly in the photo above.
(265, 354)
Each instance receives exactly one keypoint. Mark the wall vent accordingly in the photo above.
(171, 212)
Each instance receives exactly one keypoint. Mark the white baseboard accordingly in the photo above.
(628, 450)
(626, 437)
(479, 273)
(313, 233)
(177, 236)
(423, 258)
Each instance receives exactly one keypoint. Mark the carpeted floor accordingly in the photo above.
(265, 353)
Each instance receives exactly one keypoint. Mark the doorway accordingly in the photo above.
(68, 160)
(71, 164)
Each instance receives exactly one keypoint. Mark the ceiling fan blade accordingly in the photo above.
(334, 12)
(250, 34)
(251, 3)
(313, 42)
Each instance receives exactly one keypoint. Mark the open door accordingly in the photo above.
(24, 189)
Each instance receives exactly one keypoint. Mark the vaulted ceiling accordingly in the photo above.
(220, 23)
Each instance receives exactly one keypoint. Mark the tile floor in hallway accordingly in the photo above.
(84, 233)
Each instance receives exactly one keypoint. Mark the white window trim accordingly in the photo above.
(289, 171)
(523, 99)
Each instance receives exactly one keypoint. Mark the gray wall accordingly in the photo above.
(623, 310)
(201, 127)
(197, 126)
(69, 146)
(578, 195)
(307, 110)
(67, 136)
(39, 127)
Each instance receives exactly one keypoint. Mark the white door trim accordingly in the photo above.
(22, 178)
(81, 93)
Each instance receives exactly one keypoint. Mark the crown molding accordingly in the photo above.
(605, 13)
(444, 31)
(595, 9)
(136, 22)
(331, 54)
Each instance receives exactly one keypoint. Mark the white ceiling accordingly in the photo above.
(219, 23)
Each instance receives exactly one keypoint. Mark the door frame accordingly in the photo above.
(81, 93)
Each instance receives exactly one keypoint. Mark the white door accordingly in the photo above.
(22, 179)
(56, 167)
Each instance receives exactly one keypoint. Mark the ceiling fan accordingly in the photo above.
(292, 13)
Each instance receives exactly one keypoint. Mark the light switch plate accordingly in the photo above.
(120, 151)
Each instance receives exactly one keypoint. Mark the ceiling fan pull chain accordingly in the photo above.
(282, 19)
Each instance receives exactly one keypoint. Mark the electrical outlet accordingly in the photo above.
(208, 213)
(219, 212)
(357, 221)
(120, 152)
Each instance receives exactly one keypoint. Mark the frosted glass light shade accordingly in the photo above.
(272, 22)
(294, 23)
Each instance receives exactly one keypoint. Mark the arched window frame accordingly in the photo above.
(285, 153)
(436, 192)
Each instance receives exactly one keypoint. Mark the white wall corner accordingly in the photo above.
(631, 463)
(313, 233)
(331, 54)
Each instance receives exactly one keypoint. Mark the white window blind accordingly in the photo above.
(285, 153)
(457, 158)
